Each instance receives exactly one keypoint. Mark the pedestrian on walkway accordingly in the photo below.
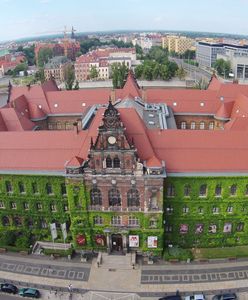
(70, 288)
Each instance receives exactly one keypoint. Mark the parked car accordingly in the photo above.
(231, 296)
(173, 297)
(195, 297)
(29, 292)
(8, 288)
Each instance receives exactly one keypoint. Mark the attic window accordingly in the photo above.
(202, 104)
(174, 104)
(83, 104)
(39, 106)
(55, 105)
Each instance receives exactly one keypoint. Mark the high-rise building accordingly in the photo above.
(178, 44)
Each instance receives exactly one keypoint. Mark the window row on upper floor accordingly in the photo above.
(169, 209)
(34, 188)
(114, 197)
(203, 190)
(38, 206)
(29, 222)
(193, 125)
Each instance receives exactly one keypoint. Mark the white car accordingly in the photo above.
(195, 297)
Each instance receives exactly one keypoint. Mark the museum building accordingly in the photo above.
(127, 169)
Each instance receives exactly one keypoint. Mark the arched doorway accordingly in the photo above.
(116, 242)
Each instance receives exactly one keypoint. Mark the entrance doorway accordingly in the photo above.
(116, 242)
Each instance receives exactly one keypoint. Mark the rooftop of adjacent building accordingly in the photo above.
(56, 62)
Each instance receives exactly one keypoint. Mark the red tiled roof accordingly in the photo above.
(131, 87)
(224, 111)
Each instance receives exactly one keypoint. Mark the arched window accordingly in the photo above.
(114, 197)
(233, 190)
(95, 197)
(117, 163)
(203, 190)
(133, 198)
(218, 190)
(211, 126)
(17, 221)
(183, 125)
(187, 190)
(108, 162)
(5, 221)
(202, 125)
(170, 190)
(192, 125)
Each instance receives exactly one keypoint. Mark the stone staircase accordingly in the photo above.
(116, 262)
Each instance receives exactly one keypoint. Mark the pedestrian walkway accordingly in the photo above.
(143, 280)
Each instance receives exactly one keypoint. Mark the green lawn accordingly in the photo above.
(23, 80)
(226, 252)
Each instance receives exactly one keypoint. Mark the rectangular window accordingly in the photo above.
(13, 205)
(2, 204)
(35, 188)
(98, 220)
(133, 221)
(116, 220)
(26, 205)
(49, 189)
(53, 207)
(63, 189)
(65, 207)
(215, 210)
(39, 206)
(21, 187)
(168, 228)
(229, 209)
(9, 187)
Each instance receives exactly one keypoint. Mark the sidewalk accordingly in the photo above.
(147, 281)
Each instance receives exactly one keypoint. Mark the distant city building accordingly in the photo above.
(55, 68)
(178, 44)
(238, 57)
(10, 61)
(207, 53)
(65, 47)
(102, 59)
(147, 41)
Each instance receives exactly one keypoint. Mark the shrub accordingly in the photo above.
(178, 253)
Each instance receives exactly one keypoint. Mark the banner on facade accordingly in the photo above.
(53, 231)
(152, 242)
(63, 229)
(133, 241)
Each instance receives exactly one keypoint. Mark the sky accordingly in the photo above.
(27, 18)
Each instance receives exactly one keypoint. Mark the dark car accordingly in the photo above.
(232, 296)
(29, 292)
(173, 297)
(8, 288)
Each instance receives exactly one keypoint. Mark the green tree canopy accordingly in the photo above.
(43, 56)
(223, 67)
(69, 77)
(19, 68)
(93, 72)
(119, 75)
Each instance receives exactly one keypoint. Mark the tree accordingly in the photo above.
(76, 86)
(19, 68)
(29, 54)
(138, 71)
(69, 77)
(39, 75)
(93, 72)
(222, 67)
(158, 54)
(189, 54)
(181, 73)
(119, 75)
(43, 56)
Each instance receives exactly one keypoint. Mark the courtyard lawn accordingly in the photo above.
(225, 252)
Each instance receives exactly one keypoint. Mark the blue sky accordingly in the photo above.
(24, 18)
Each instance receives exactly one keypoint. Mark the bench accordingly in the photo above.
(174, 261)
(3, 250)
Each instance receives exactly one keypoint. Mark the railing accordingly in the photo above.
(95, 207)
(115, 208)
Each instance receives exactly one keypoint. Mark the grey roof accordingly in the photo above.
(56, 61)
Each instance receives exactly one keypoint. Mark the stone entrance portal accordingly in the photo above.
(116, 242)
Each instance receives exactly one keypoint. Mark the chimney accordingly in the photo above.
(75, 127)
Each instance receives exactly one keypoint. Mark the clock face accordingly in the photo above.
(111, 140)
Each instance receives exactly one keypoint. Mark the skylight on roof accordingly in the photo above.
(174, 104)
(39, 106)
(202, 104)
(83, 104)
(55, 105)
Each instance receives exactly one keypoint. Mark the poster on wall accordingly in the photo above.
(100, 240)
(81, 239)
(212, 228)
(184, 228)
(198, 228)
(152, 242)
(133, 241)
(227, 227)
